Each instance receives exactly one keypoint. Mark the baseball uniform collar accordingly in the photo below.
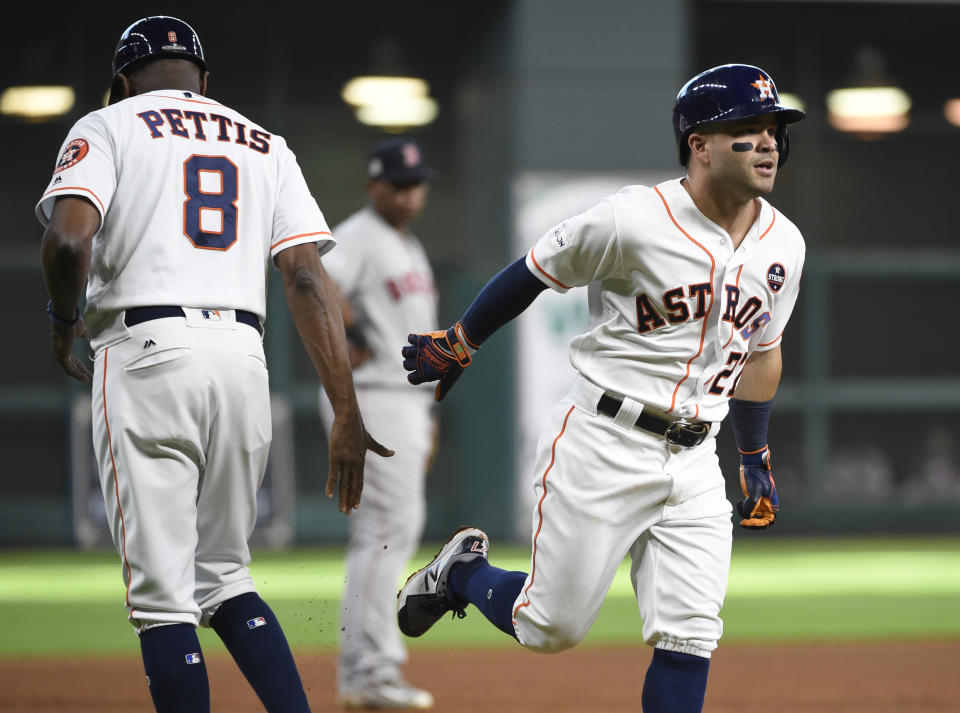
(686, 212)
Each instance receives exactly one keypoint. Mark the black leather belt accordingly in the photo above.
(138, 315)
(679, 433)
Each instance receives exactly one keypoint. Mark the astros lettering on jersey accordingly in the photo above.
(216, 175)
(682, 310)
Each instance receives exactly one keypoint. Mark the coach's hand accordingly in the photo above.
(759, 508)
(349, 443)
(437, 356)
(62, 337)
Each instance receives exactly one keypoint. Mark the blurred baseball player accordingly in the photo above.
(171, 206)
(383, 273)
(698, 277)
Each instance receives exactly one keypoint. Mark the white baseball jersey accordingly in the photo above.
(387, 279)
(194, 199)
(682, 310)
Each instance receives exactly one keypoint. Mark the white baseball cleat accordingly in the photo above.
(385, 694)
(423, 599)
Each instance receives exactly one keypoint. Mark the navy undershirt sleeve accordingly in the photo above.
(750, 420)
(511, 291)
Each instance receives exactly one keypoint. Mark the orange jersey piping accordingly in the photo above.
(116, 484)
(191, 101)
(703, 331)
(302, 235)
(772, 221)
(547, 274)
(76, 188)
(772, 341)
(536, 535)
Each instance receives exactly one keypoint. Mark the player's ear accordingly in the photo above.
(698, 147)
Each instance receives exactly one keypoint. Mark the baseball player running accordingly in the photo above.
(698, 277)
(382, 270)
(171, 207)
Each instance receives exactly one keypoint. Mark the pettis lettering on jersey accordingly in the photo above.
(202, 126)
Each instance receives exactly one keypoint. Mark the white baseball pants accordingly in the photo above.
(181, 430)
(605, 490)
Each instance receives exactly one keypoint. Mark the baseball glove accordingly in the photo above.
(761, 502)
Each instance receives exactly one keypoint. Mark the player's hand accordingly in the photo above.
(61, 346)
(437, 356)
(761, 503)
(349, 443)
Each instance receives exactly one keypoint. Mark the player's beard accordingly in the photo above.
(740, 180)
(748, 179)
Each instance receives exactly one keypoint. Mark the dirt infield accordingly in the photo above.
(919, 677)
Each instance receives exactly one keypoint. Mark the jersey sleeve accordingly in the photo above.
(297, 218)
(773, 332)
(85, 167)
(578, 251)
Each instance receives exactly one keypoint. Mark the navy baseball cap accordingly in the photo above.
(399, 160)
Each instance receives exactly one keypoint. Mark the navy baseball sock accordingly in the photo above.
(490, 589)
(254, 638)
(175, 670)
(675, 683)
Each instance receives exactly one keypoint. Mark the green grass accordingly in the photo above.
(58, 602)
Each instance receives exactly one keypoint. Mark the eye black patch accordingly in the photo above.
(743, 146)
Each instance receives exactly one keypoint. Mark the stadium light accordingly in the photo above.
(871, 104)
(951, 110)
(392, 103)
(37, 103)
(869, 110)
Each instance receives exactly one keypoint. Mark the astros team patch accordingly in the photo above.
(72, 154)
(776, 275)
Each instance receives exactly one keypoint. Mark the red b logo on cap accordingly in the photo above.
(411, 155)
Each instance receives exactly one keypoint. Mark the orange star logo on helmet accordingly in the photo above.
(765, 86)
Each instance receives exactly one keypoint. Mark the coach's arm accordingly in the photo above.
(65, 255)
(313, 304)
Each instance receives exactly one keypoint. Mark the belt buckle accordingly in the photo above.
(686, 434)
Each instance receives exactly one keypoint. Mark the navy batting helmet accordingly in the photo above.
(727, 93)
(154, 37)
